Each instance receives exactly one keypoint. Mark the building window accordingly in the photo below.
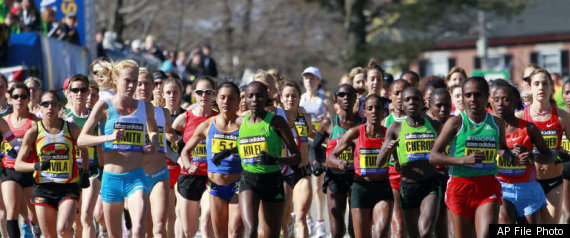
(550, 60)
(437, 66)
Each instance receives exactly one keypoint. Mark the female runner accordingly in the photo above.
(5, 109)
(17, 186)
(397, 115)
(260, 143)
(224, 172)
(456, 92)
(172, 90)
(156, 171)
(317, 106)
(337, 182)
(78, 113)
(439, 105)
(99, 71)
(56, 192)
(35, 86)
(192, 183)
(123, 120)
(420, 186)
(551, 121)
(439, 110)
(566, 165)
(371, 199)
(520, 196)
(302, 189)
(473, 193)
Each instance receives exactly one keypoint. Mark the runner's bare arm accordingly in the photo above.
(97, 116)
(179, 122)
(389, 145)
(344, 142)
(27, 147)
(152, 129)
(282, 128)
(503, 150)
(564, 119)
(83, 153)
(545, 155)
(449, 130)
(200, 133)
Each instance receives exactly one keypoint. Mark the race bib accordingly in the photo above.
(251, 147)
(419, 145)
(132, 139)
(508, 168)
(551, 139)
(91, 154)
(199, 153)
(347, 155)
(161, 148)
(222, 142)
(316, 125)
(368, 162)
(60, 164)
(485, 144)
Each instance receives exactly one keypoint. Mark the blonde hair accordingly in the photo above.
(264, 75)
(33, 80)
(105, 72)
(356, 71)
(144, 70)
(117, 67)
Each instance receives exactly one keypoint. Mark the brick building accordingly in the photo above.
(539, 35)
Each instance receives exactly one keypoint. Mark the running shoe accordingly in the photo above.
(37, 231)
(310, 225)
(27, 231)
(103, 234)
(320, 227)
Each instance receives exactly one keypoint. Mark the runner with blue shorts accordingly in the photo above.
(518, 180)
(125, 122)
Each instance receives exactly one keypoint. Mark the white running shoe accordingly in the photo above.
(320, 227)
(310, 225)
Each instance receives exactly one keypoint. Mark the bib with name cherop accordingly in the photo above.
(415, 142)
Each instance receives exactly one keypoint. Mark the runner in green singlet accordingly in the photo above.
(473, 193)
(410, 143)
(260, 144)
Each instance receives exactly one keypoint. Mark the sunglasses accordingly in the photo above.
(207, 92)
(526, 79)
(156, 83)
(77, 90)
(20, 96)
(344, 94)
(95, 72)
(46, 104)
